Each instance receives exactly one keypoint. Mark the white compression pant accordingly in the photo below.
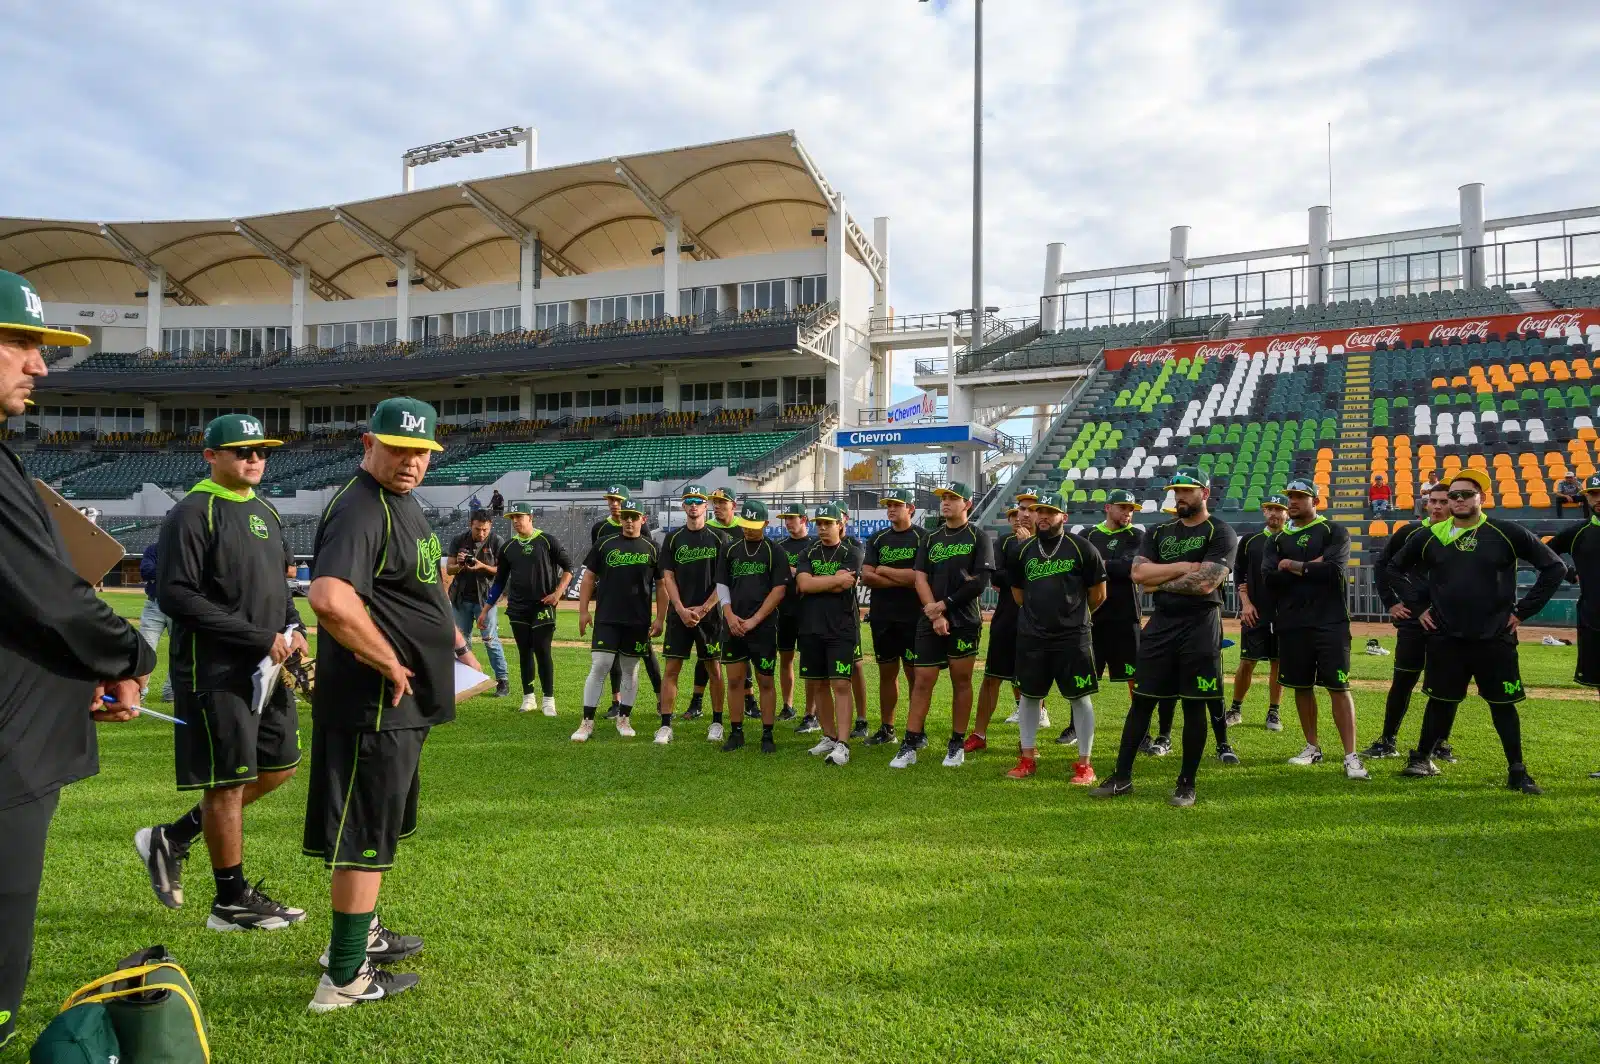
(594, 687)
(1082, 722)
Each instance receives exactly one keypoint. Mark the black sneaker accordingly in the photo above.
(1147, 747)
(786, 713)
(768, 745)
(860, 730)
(1113, 787)
(1417, 765)
(920, 742)
(1161, 746)
(615, 711)
(1068, 737)
(734, 741)
(164, 862)
(808, 723)
(254, 911)
(694, 712)
(752, 708)
(370, 984)
(1384, 747)
(1519, 780)
(385, 946)
(1182, 796)
(1445, 752)
(1234, 717)
(884, 734)
(502, 688)
(1226, 755)
(1273, 722)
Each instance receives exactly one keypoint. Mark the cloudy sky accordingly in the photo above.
(1106, 122)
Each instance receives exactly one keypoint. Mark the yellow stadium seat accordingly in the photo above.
(1584, 470)
(1511, 500)
(1440, 382)
(1538, 499)
(1552, 456)
(1477, 461)
(1458, 381)
(1581, 370)
(1519, 373)
(1558, 370)
(1532, 485)
(1325, 452)
(1538, 373)
(1378, 528)
(1588, 434)
(1501, 460)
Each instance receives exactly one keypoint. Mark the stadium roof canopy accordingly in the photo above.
(737, 197)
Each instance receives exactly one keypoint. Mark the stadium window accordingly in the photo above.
(697, 301)
(430, 327)
(813, 289)
(550, 315)
(554, 405)
(361, 333)
(763, 295)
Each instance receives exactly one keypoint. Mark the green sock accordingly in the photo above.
(347, 949)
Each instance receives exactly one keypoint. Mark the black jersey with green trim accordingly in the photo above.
(1005, 607)
(607, 527)
(750, 571)
(690, 555)
(1410, 587)
(1249, 574)
(1471, 575)
(380, 543)
(1581, 542)
(1211, 540)
(1054, 574)
(1117, 546)
(1314, 598)
(530, 568)
(625, 575)
(220, 579)
(891, 549)
(957, 563)
(791, 547)
(829, 613)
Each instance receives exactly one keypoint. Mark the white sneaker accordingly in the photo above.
(714, 733)
(585, 730)
(663, 735)
(955, 758)
(905, 758)
(1354, 769)
(1311, 755)
(1044, 717)
(625, 727)
(1016, 716)
(530, 702)
(549, 705)
(839, 755)
(822, 749)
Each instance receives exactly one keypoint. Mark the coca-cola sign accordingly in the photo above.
(1460, 331)
(1369, 340)
(1559, 322)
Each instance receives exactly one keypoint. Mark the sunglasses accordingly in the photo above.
(244, 454)
(1463, 493)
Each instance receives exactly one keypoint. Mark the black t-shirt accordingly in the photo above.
(1005, 609)
(1316, 598)
(529, 569)
(1212, 540)
(894, 550)
(607, 527)
(1248, 571)
(1117, 546)
(380, 544)
(791, 549)
(1471, 575)
(750, 571)
(831, 613)
(473, 586)
(1396, 587)
(957, 563)
(691, 558)
(1582, 541)
(1054, 574)
(625, 574)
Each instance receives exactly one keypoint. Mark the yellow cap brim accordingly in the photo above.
(409, 442)
(50, 337)
(1477, 476)
(745, 522)
(886, 502)
(254, 443)
(946, 493)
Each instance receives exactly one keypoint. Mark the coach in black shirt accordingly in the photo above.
(60, 647)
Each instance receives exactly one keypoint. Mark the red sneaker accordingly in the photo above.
(974, 743)
(1026, 766)
(1083, 775)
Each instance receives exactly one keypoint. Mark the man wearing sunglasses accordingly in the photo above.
(1470, 610)
(219, 578)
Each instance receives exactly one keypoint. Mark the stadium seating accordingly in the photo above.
(634, 461)
(1390, 310)
(539, 460)
(122, 476)
(1574, 292)
(50, 466)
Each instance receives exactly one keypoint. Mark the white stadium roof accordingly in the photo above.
(738, 197)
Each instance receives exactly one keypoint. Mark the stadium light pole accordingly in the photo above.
(978, 308)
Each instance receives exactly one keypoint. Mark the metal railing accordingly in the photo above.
(1065, 405)
(916, 322)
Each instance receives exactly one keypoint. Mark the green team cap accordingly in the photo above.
(956, 488)
(792, 511)
(1280, 501)
(522, 507)
(1026, 496)
(1593, 483)
(829, 512)
(694, 493)
(1049, 501)
(1014, 508)
(753, 514)
(237, 430)
(616, 491)
(1189, 477)
(898, 495)
(721, 493)
(22, 309)
(1301, 486)
(406, 422)
(1121, 496)
(631, 507)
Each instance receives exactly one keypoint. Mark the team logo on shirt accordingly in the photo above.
(1467, 543)
(1040, 568)
(1303, 540)
(616, 558)
(741, 569)
(1171, 547)
(686, 555)
(886, 555)
(428, 554)
(942, 552)
(821, 568)
(258, 527)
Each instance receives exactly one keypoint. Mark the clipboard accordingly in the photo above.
(93, 552)
(471, 682)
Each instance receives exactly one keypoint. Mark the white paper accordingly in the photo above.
(468, 678)
(265, 680)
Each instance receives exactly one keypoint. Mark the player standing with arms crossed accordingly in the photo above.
(752, 578)
(826, 580)
(891, 557)
(1257, 641)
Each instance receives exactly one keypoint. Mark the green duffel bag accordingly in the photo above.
(83, 1034)
(153, 1008)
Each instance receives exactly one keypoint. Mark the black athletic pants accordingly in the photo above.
(1197, 714)
(22, 833)
(533, 646)
(1439, 717)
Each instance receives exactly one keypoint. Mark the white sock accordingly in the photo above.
(1083, 722)
(594, 685)
(1028, 721)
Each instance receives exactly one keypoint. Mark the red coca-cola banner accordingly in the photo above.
(1365, 338)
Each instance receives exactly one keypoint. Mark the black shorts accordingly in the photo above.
(788, 633)
(543, 617)
(1116, 648)
(1314, 657)
(1066, 664)
(1492, 662)
(1411, 649)
(1588, 671)
(1258, 644)
(630, 639)
(1001, 662)
(222, 744)
(362, 795)
(929, 650)
(1180, 657)
(759, 647)
(892, 640)
(705, 638)
(827, 657)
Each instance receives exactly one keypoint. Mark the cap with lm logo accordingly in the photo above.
(694, 493)
(406, 422)
(753, 514)
(237, 430)
(22, 310)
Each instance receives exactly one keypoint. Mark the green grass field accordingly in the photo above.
(622, 901)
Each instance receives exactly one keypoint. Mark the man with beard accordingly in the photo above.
(792, 547)
(724, 522)
(891, 556)
(1000, 667)
(1257, 642)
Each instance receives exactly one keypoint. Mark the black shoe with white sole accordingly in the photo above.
(1384, 747)
(385, 946)
(1226, 755)
(1068, 736)
(1446, 753)
(786, 713)
(884, 734)
(370, 984)
(164, 862)
(253, 911)
(807, 724)
(860, 729)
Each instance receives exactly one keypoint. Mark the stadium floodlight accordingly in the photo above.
(456, 147)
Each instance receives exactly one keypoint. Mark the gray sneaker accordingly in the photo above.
(370, 984)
